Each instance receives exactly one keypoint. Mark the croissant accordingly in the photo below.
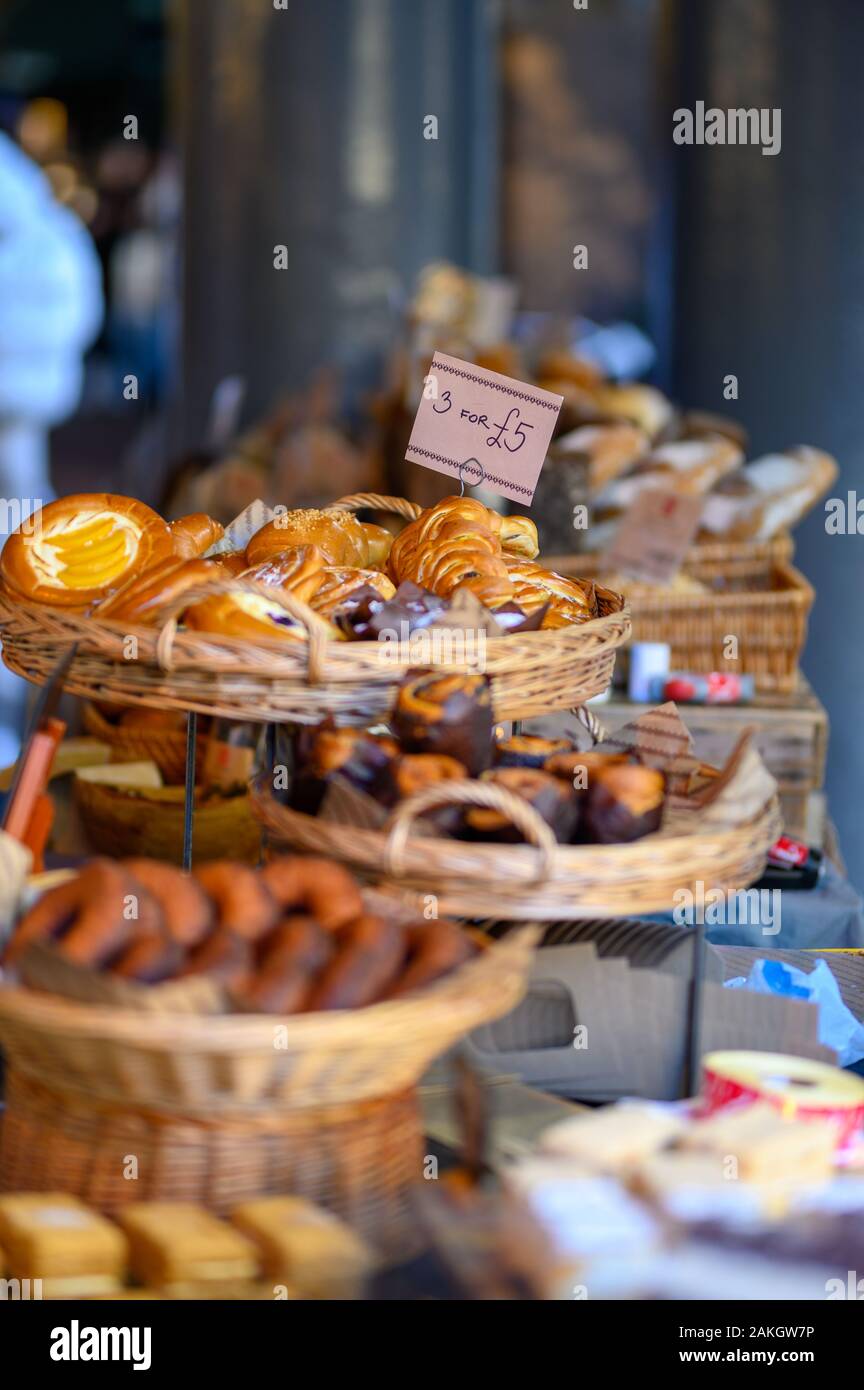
(77, 549)
(339, 536)
(144, 597)
(458, 542)
(193, 535)
(569, 600)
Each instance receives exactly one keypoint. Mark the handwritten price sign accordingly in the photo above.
(467, 413)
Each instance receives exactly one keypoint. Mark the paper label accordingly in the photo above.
(654, 535)
(503, 426)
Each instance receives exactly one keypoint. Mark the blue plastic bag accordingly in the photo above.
(838, 1026)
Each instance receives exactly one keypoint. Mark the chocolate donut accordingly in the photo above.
(288, 960)
(188, 912)
(434, 949)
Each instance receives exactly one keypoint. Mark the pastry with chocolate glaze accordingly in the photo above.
(548, 795)
(529, 750)
(361, 758)
(623, 802)
(450, 714)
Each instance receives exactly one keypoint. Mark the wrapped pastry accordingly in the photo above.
(305, 1247)
(623, 802)
(769, 495)
(363, 759)
(338, 535)
(143, 599)
(449, 714)
(338, 583)
(77, 549)
(569, 600)
(553, 801)
(193, 535)
(529, 750)
(53, 1237)
(608, 449)
(410, 609)
(176, 1243)
(690, 467)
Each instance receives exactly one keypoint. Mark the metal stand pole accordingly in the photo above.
(694, 1029)
(189, 802)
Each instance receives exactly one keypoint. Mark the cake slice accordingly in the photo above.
(54, 1237)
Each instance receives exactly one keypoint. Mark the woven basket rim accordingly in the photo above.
(441, 1005)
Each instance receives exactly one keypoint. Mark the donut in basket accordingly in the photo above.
(293, 937)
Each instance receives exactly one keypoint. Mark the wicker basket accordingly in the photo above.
(533, 672)
(770, 623)
(121, 821)
(216, 1110)
(166, 748)
(728, 559)
(541, 880)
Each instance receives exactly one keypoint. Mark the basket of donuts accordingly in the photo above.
(287, 613)
(242, 1033)
(520, 827)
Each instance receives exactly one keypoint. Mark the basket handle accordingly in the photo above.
(470, 793)
(358, 501)
(316, 629)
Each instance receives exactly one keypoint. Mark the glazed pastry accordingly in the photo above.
(576, 768)
(177, 1242)
(231, 563)
(300, 569)
(53, 1237)
(529, 750)
(143, 599)
(449, 714)
(361, 758)
(371, 953)
(548, 795)
(319, 886)
(77, 549)
(339, 582)
(623, 802)
(193, 535)
(458, 542)
(244, 905)
(569, 600)
(410, 609)
(305, 1247)
(338, 535)
(288, 961)
(414, 772)
(250, 616)
(434, 950)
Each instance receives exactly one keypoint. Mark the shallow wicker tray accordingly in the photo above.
(149, 821)
(533, 672)
(541, 880)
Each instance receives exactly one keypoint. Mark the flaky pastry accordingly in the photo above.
(193, 535)
(79, 548)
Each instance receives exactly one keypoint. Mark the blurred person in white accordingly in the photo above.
(50, 312)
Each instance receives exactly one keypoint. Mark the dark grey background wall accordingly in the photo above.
(769, 284)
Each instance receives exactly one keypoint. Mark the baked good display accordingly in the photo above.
(339, 582)
(53, 1237)
(193, 535)
(292, 937)
(251, 616)
(299, 569)
(553, 801)
(75, 550)
(529, 750)
(768, 495)
(361, 758)
(623, 802)
(452, 544)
